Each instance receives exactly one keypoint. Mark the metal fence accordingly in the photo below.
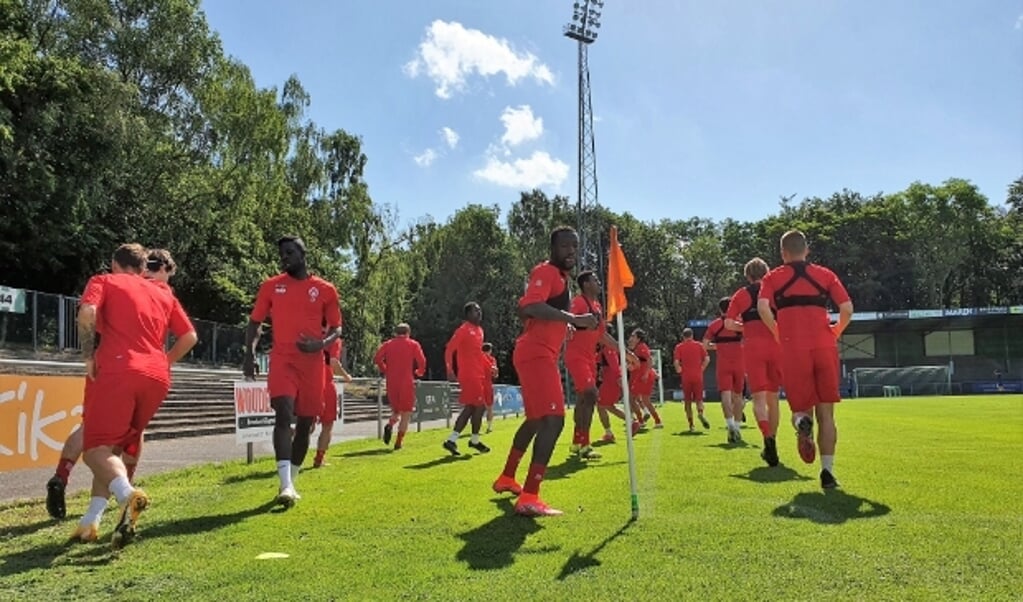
(49, 323)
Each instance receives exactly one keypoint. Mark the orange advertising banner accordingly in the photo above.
(37, 413)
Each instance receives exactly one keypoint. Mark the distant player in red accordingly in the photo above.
(691, 360)
(642, 377)
(609, 389)
(801, 292)
(488, 394)
(761, 356)
(328, 415)
(730, 371)
(131, 377)
(465, 348)
(298, 305)
(159, 267)
(401, 361)
(581, 361)
(544, 306)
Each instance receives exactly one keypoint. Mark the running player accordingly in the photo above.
(131, 374)
(691, 360)
(401, 361)
(299, 304)
(609, 388)
(581, 361)
(466, 344)
(729, 369)
(642, 377)
(544, 307)
(328, 415)
(488, 394)
(761, 356)
(801, 292)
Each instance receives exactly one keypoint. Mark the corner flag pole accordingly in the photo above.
(620, 277)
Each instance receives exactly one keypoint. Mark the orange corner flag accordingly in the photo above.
(619, 277)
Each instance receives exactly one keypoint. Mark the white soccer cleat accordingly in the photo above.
(287, 497)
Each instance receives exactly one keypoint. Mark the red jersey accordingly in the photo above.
(493, 366)
(690, 354)
(295, 308)
(728, 343)
(610, 365)
(136, 315)
(584, 341)
(801, 292)
(547, 284)
(645, 367)
(467, 343)
(400, 358)
(743, 308)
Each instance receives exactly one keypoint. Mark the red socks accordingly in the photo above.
(657, 417)
(401, 437)
(533, 480)
(64, 469)
(512, 464)
(581, 437)
(765, 427)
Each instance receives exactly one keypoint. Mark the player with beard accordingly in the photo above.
(545, 309)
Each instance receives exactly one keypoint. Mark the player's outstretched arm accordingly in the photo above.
(543, 311)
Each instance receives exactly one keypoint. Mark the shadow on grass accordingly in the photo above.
(580, 562)
(20, 530)
(832, 507)
(767, 474)
(493, 544)
(731, 446)
(251, 476)
(367, 452)
(440, 462)
(690, 434)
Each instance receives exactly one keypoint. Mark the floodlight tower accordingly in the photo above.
(583, 29)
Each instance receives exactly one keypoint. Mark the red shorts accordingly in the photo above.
(610, 393)
(692, 389)
(763, 366)
(542, 393)
(473, 390)
(811, 378)
(329, 412)
(583, 372)
(401, 395)
(300, 378)
(118, 407)
(641, 386)
(730, 377)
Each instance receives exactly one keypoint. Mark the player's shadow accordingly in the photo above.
(250, 476)
(579, 561)
(493, 544)
(768, 474)
(574, 464)
(731, 446)
(20, 530)
(690, 434)
(367, 453)
(832, 507)
(442, 461)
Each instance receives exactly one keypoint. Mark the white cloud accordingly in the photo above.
(520, 125)
(426, 158)
(450, 136)
(450, 54)
(537, 170)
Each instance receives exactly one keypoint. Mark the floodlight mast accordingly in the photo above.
(584, 30)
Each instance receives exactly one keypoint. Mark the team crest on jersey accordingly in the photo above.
(314, 294)
(280, 289)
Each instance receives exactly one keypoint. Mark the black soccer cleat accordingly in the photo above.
(55, 498)
(478, 446)
(828, 480)
(452, 447)
(770, 453)
(388, 430)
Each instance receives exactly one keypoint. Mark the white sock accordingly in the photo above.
(453, 437)
(294, 472)
(121, 489)
(730, 423)
(94, 513)
(828, 463)
(284, 473)
(475, 438)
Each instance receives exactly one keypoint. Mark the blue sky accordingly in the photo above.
(710, 109)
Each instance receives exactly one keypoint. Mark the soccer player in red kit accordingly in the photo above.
(488, 393)
(298, 305)
(730, 371)
(609, 389)
(581, 361)
(800, 292)
(466, 344)
(545, 309)
(691, 360)
(401, 361)
(328, 415)
(642, 377)
(761, 356)
(131, 377)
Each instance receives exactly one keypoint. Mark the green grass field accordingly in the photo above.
(931, 508)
